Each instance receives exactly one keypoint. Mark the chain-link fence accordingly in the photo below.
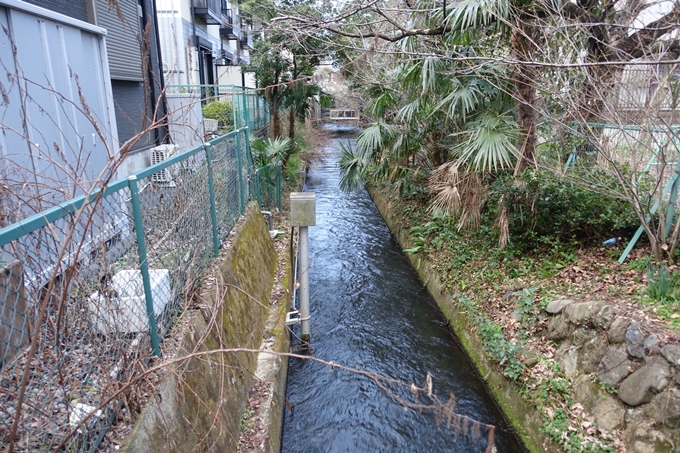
(87, 288)
(234, 106)
(268, 186)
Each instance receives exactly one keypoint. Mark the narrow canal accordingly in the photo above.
(370, 311)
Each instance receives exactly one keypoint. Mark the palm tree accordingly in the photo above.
(440, 116)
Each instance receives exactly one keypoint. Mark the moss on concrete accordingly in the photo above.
(521, 415)
(282, 344)
(198, 404)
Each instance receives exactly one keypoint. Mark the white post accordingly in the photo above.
(304, 284)
(303, 215)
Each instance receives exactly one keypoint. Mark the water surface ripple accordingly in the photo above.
(370, 311)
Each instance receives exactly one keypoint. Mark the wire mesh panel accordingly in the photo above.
(246, 107)
(68, 331)
(177, 227)
(87, 287)
(269, 186)
(228, 187)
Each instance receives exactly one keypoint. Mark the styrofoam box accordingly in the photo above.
(123, 309)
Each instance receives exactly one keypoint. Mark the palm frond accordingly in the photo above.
(382, 100)
(373, 140)
(279, 147)
(351, 168)
(489, 142)
(269, 151)
(457, 190)
(443, 183)
(463, 98)
(431, 67)
(477, 13)
(408, 112)
(402, 148)
(410, 75)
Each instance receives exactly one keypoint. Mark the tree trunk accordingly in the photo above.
(600, 94)
(525, 94)
(523, 42)
(291, 124)
(274, 115)
(526, 119)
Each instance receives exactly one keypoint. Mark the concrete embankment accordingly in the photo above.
(621, 374)
(521, 415)
(199, 402)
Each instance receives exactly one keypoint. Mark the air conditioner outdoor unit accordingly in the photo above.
(158, 154)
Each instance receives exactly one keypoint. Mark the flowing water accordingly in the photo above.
(370, 311)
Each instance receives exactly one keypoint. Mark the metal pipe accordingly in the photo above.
(163, 104)
(295, 261)
(213, 206)
(239, 164)
(269, 216)
(144, 264)
(304, 284)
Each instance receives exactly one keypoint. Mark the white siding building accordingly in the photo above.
(203, 42)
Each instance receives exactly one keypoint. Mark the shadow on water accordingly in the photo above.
(370, 311)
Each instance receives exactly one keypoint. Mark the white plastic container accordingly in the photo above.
(122, 307)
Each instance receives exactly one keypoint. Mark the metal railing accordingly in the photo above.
(89, 287)
(643, 88)
(213, 5)
(247, 108)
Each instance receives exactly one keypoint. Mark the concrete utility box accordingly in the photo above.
(302, 209)
(124, 310)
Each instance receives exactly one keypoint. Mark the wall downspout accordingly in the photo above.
(163, 105)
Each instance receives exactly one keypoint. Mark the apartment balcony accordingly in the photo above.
(209, 11)
(231, 26)
(247, 41)
(226, 56)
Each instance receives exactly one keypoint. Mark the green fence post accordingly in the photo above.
(672, 201)
(245, 107)
(213, 209)
(144, 265)
(233, 108)
(258, 123)
(241, 189)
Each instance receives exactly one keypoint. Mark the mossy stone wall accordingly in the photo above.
(198, 404)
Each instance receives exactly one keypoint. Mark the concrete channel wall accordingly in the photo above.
(199, 403)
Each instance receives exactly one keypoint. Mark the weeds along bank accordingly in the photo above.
(567, 340)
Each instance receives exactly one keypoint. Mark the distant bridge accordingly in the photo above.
(343, 114)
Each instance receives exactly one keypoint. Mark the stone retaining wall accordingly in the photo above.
(621, 375)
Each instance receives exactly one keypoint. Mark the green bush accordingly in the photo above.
(542, 204)
(222, 111)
